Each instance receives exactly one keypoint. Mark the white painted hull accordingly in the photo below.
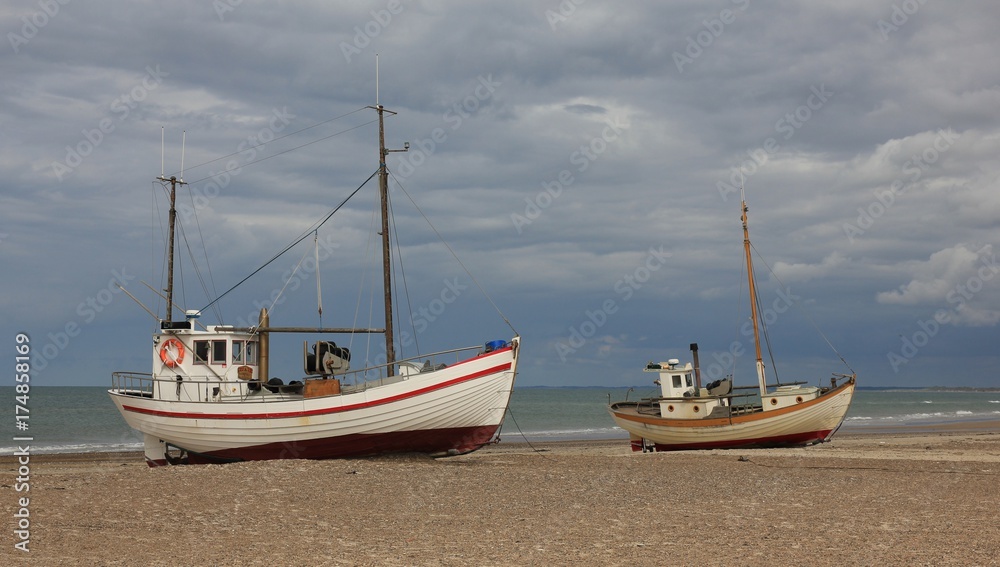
(453, 410)
(810, 422)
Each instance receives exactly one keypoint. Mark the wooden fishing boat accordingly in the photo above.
(210, 397)
(687, 415)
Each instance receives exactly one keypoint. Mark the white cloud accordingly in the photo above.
(962, 280)
(801, 272)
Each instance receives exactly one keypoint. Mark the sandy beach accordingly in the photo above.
(920, 497)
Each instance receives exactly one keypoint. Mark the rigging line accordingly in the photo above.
(402, 273)
(163, 236)
(282, 290)
(262, 144)
(154, 210)
(739, 323)
(193, 263)
(208, 266)
(457, 259)
(368, 336)
(803, 311)
(227, 170)
(767, 339)
(364, 276)
(297, 240)
(319, 287)
(197, 269)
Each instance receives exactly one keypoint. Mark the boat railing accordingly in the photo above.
(379, 375)
(144, 384)
(133, 383)
(737, 403)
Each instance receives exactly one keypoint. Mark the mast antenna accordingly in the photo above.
(376, 80)
(161, 151)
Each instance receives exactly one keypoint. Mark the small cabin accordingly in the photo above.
(193, 365)
(681, 397)
(675, 381)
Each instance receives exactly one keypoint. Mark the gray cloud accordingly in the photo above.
(866, 134)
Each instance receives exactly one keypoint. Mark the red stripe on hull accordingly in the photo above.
(794, 440)
(435, 442)
(321, 411)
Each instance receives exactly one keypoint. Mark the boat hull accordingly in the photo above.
(448, 411)
(808, 423)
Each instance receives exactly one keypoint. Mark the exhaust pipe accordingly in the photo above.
(697, 368)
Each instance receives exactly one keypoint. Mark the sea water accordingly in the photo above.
(83, 419)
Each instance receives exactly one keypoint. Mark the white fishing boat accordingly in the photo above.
(210, 397)
(687, 415)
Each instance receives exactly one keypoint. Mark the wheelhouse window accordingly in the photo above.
(201, 350)
(210, 351)
(219, 352)
(245, 352)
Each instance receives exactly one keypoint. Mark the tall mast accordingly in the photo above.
(383, 191)
(753, 298)
(174, 182)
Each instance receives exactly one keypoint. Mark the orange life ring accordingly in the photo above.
(166, 355)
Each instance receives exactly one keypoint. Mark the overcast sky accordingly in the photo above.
(582, 159)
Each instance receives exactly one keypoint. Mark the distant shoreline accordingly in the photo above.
(852, 431)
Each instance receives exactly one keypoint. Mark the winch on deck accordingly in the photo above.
(326, 359)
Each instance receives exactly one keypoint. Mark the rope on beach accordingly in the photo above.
(518, 427)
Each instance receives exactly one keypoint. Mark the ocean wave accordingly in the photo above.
(923, 417)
